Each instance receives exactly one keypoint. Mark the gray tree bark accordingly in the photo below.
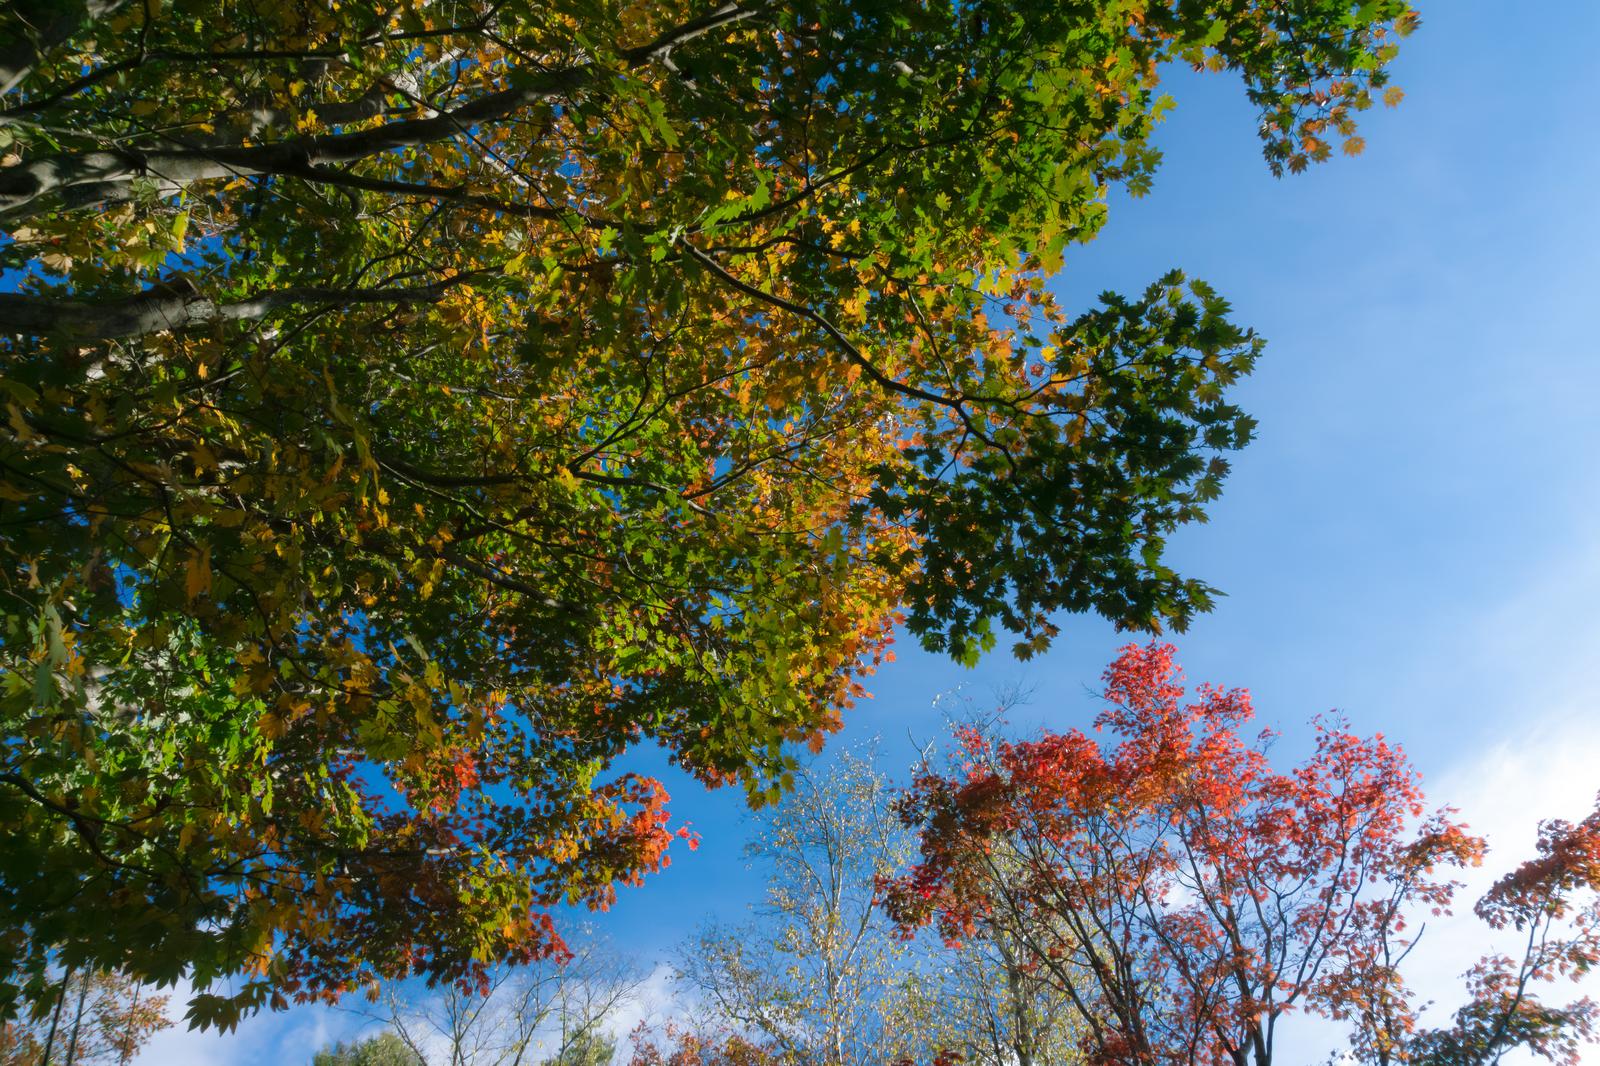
(163, 309)
(38, 26)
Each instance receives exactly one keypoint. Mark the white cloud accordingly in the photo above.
(1527, 663)
(1552, 770)
(291, 1037)
(660, 999)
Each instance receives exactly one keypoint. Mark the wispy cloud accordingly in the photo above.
(290, 1038)
(1551, 771)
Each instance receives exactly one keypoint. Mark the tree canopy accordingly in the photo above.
(408, 408)
(1188, 897)
(384, 1049)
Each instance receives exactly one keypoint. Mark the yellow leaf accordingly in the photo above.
(205, 460)
(19, 424)
(197, 579)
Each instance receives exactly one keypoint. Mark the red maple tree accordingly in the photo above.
(686, 1045)
(1187, 895)
(1553, 901)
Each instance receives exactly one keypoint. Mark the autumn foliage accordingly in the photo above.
(90, 1019)
(1551, 905)
(408, 409)
(1188, 895)
(677, 1044)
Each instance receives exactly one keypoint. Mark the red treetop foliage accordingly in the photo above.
(1182, 891)
(684, 1046)
(1554, 901)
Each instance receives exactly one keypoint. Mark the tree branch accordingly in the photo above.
(22, 186)
(40, 25)
(165, 308)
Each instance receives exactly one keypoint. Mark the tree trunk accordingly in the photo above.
(127, 1037)
(77, 1022)
(55, 1018)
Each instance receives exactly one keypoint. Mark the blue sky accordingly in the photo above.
(1412, 537)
